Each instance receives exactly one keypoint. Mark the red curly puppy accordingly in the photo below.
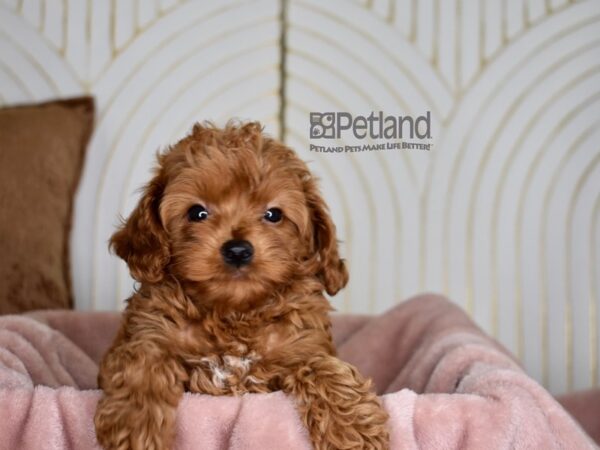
(233, 247)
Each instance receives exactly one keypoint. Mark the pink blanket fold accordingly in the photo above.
(445, 384)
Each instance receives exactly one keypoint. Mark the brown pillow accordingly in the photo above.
(42, 149)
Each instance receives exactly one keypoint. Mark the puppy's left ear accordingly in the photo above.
(332, 269)
(141, 241)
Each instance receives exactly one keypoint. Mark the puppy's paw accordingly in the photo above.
(371, 425)
(119, 426)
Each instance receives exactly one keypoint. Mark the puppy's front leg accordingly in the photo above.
(142, 388)
(337, 405)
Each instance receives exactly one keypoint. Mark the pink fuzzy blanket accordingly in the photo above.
(444, 383)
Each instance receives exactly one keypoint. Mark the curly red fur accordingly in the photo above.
(196, 324)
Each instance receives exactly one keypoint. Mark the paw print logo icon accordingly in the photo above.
(322, 125)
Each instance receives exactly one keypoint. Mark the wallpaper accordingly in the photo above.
(501, 213)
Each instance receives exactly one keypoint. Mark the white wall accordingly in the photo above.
(503, 215)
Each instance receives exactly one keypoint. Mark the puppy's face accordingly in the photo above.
(233, 215)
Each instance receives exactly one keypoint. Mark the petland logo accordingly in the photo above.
(338, 125)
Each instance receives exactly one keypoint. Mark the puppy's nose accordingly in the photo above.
(237, 252)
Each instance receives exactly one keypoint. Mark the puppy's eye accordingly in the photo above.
(197, 213)
(273, 215)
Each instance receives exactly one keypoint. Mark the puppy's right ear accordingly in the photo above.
(142, 241)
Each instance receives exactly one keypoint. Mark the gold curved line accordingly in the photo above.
(43, 29)
(504, 22)
(481, 51)
(345, 207)
(16, 78)
(461, 152)
(177, 95)
(116, 52)
(543, 282)
(514, 41)
(594, 294)
(356, 87)
(412, 36)
(543, 238)
(569, 285)
(112, 33)
(526, 14)
(391, 14)
(435, 51)
(458, 160)
(190, 117)
(362, 93)
(478, 178)
(457, 51)
(51, 48)
(136, 18)
(123, 126)
(42, 26)
(201, 46)
(24, 52)
(398, 63)
(506, 166)
(424, 198)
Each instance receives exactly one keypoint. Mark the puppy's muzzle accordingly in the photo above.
(237, 252)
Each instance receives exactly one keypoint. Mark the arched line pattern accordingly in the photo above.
(166, 42)
(15, 78)
(531, 170)
(18, 9)
(410, 36)
(162, 12)
(325, 64)
(24, 51)
(518, 229)
(399, 64)
(569, 261)
(508, 162)
(192, 117)
(338, 186)
(366, 189)
(382, 164)
(500, 52)
(486, 61)
(366, 33)
(397, 212)
(568, 327)
(458, 160)
(36, 42)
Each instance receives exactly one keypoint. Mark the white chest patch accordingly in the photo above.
(229, 367)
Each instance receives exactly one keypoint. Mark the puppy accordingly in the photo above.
(232, 246)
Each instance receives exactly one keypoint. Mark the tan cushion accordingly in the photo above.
(42, 148)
